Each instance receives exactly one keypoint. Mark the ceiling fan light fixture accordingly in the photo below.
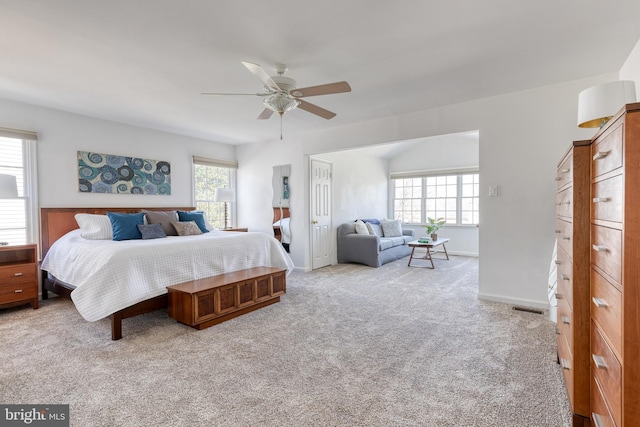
(280, 103)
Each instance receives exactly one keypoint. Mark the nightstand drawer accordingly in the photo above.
(17, 292)
(18, 273)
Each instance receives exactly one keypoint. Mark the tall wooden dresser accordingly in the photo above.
(615, 271)
(572, 230)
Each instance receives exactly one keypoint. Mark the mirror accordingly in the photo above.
(281, 210)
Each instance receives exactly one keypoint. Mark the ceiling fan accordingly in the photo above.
(281, 94)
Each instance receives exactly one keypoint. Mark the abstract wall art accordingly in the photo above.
(108, 173)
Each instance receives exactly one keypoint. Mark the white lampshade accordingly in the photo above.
(8, 187)
(598, 104)
(224, 195)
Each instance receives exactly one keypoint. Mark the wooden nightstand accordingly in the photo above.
(234, 229)
(19, 275)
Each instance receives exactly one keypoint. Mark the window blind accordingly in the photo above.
(215, 162)
(435, 172)
(18, 134)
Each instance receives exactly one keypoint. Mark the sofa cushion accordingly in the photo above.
(386, 243)
(391, 228)
(361, 227)
(375, 229)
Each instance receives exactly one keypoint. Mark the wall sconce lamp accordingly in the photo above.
(598, 104)
(225, 195)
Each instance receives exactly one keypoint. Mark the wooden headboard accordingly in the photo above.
(56, 222)
(279, 213)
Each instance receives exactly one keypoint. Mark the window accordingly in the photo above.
(454, 197)
(209, 174)
(18, 216)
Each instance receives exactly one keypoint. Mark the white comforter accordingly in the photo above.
(112, 275)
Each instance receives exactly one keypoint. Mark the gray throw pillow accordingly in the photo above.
(164, 218)
(391, 228)
(151, 231)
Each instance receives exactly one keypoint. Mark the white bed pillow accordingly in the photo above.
(361, 227)
(94, 227)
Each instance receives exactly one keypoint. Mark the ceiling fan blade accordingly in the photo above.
(266, 113)
(262, 75)
(250, 94)
(314, 109)
(329, 88)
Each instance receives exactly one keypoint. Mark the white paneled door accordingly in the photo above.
(321, 237)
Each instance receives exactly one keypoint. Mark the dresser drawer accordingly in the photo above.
(607, 153)
(606, 200)
(599, 409)
(17, 273)
(565, 282)
(607, 371)
(566, 363)
(565, 323)
(564, 206)
(17, 292)
(564, 175)
(606, 251)
(606, 310)
(564, 233)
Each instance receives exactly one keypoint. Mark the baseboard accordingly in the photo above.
(542, 305)
(469, 254)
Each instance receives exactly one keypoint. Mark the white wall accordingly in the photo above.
(61, 135)
(522, 136)
(631, 68)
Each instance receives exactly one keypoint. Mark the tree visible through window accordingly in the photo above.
(209, 175)
(452, 197)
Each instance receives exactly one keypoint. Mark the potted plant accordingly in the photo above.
(434, 225)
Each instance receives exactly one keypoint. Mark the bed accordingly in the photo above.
(121, 279)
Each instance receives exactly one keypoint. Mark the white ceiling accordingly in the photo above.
(145, 62)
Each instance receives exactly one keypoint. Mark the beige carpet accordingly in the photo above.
(348, 345)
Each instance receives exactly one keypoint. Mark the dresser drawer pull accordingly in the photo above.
(558, 178)
(599, 302)
(18, 291)
(557, 331)
(565, 170)
(566, 238)
(597, 420)
(559, 296)
(557, 262)
(18, 274)
(599, 248)
(566, 320)
(568, 202)
(601, 199)
(601, 155)
(558, 231)
(565, 364)
(559, 203)
(564, 277)
(599, 361)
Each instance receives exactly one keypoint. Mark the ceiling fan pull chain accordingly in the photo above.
(280, 127)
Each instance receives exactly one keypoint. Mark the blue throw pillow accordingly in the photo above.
(151, 231)
(125, 226)
(197, 216)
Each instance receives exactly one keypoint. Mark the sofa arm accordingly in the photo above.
(407, 232)
(360, 248)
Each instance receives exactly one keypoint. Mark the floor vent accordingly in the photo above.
(528, 309)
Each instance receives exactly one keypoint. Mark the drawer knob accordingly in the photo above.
(557, 331)
(568, 202)
(565, 277)
(558, 178)
(558, 231)
(566, 238)
(601, 155)
(18, 291)
(566, 320)
(599, 361)
(599, 302)
(565, 364)
(600, 248)
(557, 262)
(566, 170)
(559, 296)
(18, 274)
(601, 199)
(597, 420)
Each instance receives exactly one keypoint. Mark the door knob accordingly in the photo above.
(315, 221)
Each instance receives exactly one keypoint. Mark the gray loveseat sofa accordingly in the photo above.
(372, 250)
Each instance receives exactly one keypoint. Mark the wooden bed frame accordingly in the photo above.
(55, 223)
